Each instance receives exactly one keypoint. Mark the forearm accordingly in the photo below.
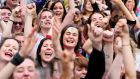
(128, 59)
(28, 25)
(67, 72)
(125, 11)
(68, 18)
(7, 29)
(108, 50)
(71, 4)
(88, 46)
(7, 71)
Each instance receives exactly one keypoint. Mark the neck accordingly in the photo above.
(78, 22)
(45, 32)
(69, 50)
(2, 64)
(45, 64)
(88, 13)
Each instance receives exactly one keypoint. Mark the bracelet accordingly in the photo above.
(17, 59)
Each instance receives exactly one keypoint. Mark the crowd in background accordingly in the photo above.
(69, 39)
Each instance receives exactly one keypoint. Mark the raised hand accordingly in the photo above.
(121, 28)
(95, 33)
(108, 35)
(16, 12)
(31, 8)
(29, 43)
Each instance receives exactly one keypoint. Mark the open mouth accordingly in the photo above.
(70, 41)
(8, 54)
(48, 54)
(47, 23)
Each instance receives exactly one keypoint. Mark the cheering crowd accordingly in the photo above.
(69, 39)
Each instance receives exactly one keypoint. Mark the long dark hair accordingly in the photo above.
(77, 47)
(135, 1)
(52, 7)
(38, 57)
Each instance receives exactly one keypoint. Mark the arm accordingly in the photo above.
(124, 9)
(88, 46)
(31, 11)
(7, 28)
(108, 37)
(127, 55)
(29, 43)
(128, 58)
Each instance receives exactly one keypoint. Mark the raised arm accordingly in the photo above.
(95, 35)
(108, 37)
(31, 11)
(29, 43)
(7, 27)
(127, 55)
(127, 13)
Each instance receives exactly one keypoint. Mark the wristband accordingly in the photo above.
(17, 59)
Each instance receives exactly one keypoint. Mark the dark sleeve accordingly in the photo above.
(96, 65)
(129, 22)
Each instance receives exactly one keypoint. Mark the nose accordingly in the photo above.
(10, 48)
(84, 71)
(26, 73)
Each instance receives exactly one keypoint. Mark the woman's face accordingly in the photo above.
(80, 72)
(46, 20)
(97, 19)
(77, 16)
(26, 70)
(9, 48)
(47, 51)
(130, 4)
(88, 6)
(58, 9)
(70, 38)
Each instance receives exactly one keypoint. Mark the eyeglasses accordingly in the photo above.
(15, 23)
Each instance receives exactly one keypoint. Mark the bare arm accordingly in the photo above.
(88, 46)
(124, 9)
(29, 43)
(31, 11)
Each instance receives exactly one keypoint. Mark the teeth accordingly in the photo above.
(70, 41)
(8, 54)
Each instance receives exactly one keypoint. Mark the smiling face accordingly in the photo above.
(80, 71)
(46, 20)
(58, 10)
(17, 25)
(130, 4)
(26, 70)
(47, 51)
(9, 48)
(97, 19)
(70, 38)
(88, 6)
(5, 15)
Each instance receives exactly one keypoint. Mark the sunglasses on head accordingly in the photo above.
(15, 23)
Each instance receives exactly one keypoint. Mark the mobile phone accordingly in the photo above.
(29, 1)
